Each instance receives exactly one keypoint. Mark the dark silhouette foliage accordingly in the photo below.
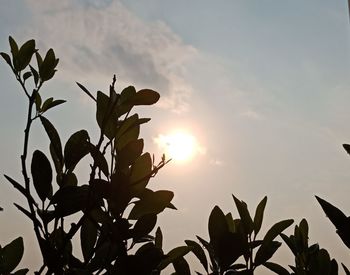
(116, 212)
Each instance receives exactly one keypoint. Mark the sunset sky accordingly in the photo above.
(261, 88)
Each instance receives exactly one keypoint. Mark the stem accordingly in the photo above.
(24, 158)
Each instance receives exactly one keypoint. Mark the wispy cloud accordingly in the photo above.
(101, 38)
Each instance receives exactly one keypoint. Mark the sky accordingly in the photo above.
(262, 87)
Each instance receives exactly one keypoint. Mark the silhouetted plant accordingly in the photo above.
(116, 211)
(309, 260)
(233, 246)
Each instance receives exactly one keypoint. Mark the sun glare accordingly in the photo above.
(179, 146)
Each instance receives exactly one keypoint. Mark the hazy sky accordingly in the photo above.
(263, 86)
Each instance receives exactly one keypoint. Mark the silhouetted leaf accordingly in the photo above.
(278, 269)
(50, 103)
(14, 52)
(48, 65)
(247, 221)
(20, 188)
(259, 214)
(55, 142)
(140, 173)
(217, 224)
(276, 229)
(289, 243)
(106, 114)
(347, 271)
(21, 271)
(229, 247)
(158, 241)
(265, 252)
(86, 91)
(334, 267)
(7, 58)
(26, 75)
(88, 236)
(181, 266)
(77, 147)
(173, 255)
(199, 252)
(347, 148)
(35, 74)
(25, 54)
(336, 216)
(28, 214)
(145, 97)
(144, 225)
(70, 199)
(130, 153)
(151, 203)
(99, 160)
(125, 136)
(39, 59)
(42, 175)
(148, 257)
(11, 255)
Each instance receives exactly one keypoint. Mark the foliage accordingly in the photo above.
(309, 260)
(233, 239)
(115, 211)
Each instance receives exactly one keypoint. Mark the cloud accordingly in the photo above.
(99, 38)
(251, 115)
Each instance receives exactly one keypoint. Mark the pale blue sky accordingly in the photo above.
(263, 85)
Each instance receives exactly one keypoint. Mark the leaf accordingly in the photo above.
(7, 58)
(173, 255)
(28, 214)
(144, 225)
(52, 103)
(229, 247)
(259, 214)
(247, 221)
(77, 147)
(265, 252)
(70, 199)
(289, 243)
(35, 74)
(106, 115)
(278, 269)
(347, 148)
(21, 271)
(269, 247)
(86, 91)
(145, 97)
(88, 236)
(199, 252)
(151, 203)
(181, 266)
(42, 175)
(48, 65)
(55, 142)
(158, 241)
(140, 173)
(11, 255)
(25, 54)
(20, 188)
(217, 224)
(26, 75)
(276, 229)
(14, 47)
(99, 160)
(336, 216)
(347, 272)
(130, 153)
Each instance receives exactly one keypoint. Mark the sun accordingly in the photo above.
(179, 146)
